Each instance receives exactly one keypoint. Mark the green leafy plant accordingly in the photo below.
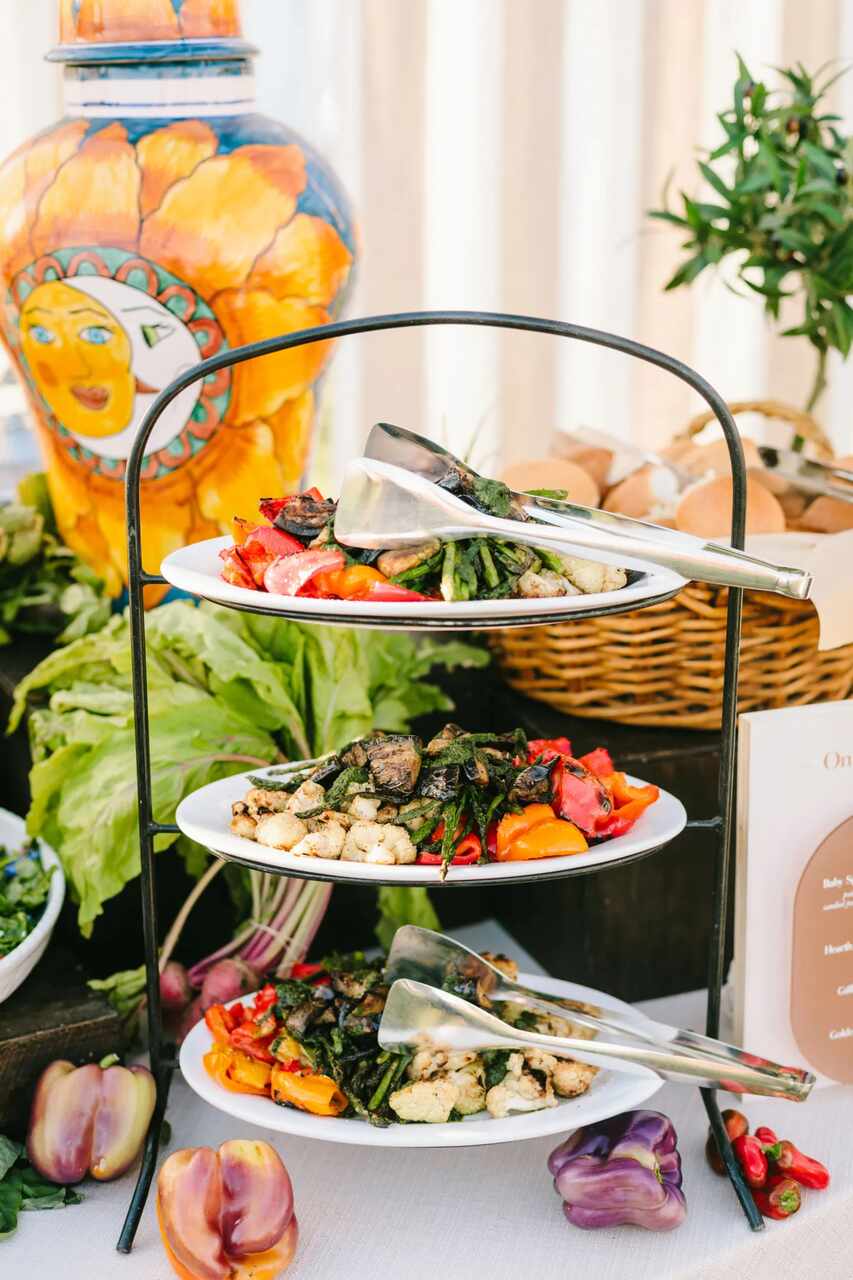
(782, 180)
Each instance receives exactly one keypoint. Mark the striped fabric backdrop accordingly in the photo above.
(502, 154)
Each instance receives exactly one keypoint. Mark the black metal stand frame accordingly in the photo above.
(162, 1064)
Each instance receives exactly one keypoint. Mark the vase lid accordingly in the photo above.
(148, 30)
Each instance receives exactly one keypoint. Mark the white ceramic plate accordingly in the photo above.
(196, 569)
(205, 816)
(18, 963)
(610, 1093)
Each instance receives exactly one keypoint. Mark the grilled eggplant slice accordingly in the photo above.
(533, 784)
(304, 516)
(443, 783)
(395, 762)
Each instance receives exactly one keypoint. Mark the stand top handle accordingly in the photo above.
(414, 319)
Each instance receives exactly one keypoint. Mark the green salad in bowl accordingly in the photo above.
(32, 889)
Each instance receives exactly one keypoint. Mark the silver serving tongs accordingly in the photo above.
(418, 1012)
(822, 478)
(386, 506)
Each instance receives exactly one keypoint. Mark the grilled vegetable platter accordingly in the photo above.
(461, 808)
(292, 552)
(302, 1056)
(459, 799)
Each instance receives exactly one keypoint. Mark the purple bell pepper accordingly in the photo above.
(625, 1169)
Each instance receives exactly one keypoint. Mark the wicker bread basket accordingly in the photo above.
(663, 665)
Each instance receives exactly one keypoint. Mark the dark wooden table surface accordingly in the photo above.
(638, 931)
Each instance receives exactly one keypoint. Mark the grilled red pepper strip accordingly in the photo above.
(548, 749)
(264, 999)
(751, 1158)
(468, 851)
(306, 971)
(786, 1159)
(779, 1198)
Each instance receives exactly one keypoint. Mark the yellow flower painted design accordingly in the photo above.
(130, 251)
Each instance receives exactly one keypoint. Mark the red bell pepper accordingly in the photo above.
(779, 1198)
(249, 1039)
(786, 1159)
(264, 1000)
(580, 797)
(234, 569)
(468, 851)
(548, 749)
(598, 762)
(303, 972)
(766, 1136)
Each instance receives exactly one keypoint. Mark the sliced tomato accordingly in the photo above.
(288, 575)
(548, 749)
(390, 593)
(598, 762)
(234, 569)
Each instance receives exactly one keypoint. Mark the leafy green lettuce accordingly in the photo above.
(226, 692)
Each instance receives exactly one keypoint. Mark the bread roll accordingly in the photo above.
(713, 459)
(553, 473)
(649, 493)
(827, 515)
(705, 509)
(595, 461)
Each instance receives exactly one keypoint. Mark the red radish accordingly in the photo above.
(175, 989)
(227, 980)
(288, 575)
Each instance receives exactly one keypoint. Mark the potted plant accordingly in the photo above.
(782, 179)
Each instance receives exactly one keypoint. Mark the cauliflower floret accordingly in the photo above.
(550, 1025)
(319, 822)
(544, 585)
(520, 1090)
(363, 808)
(471, 1091)
(326, 842)
(242, 822)
(429, 1101)
(571, 1078)
(258, 800)
(309, 796)
(377, 842)
(590, 576)
(280, 830)
(430, 1062)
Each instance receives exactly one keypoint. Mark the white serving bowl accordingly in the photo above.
(17, 964)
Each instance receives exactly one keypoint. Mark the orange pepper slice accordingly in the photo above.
(552, 839)
(308, 1092)
(513, 825)
(623, 793)
(346, 583)
(237, 1072)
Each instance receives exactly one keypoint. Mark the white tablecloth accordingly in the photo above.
(487, 1212)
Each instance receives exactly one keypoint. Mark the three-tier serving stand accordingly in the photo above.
(722, 827)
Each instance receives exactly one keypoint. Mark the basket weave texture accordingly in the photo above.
(663, 665)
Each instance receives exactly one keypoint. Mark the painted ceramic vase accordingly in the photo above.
(159, 222)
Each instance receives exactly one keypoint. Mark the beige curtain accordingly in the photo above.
(503, 153)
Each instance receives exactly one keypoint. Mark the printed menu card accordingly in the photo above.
(794, 890)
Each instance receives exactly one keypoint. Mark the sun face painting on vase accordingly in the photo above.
(131, 249)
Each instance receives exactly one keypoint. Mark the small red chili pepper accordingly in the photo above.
(736, 1125)
(792, 1163)
(766, 1136)
(779, 1198)
(751, 1158)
